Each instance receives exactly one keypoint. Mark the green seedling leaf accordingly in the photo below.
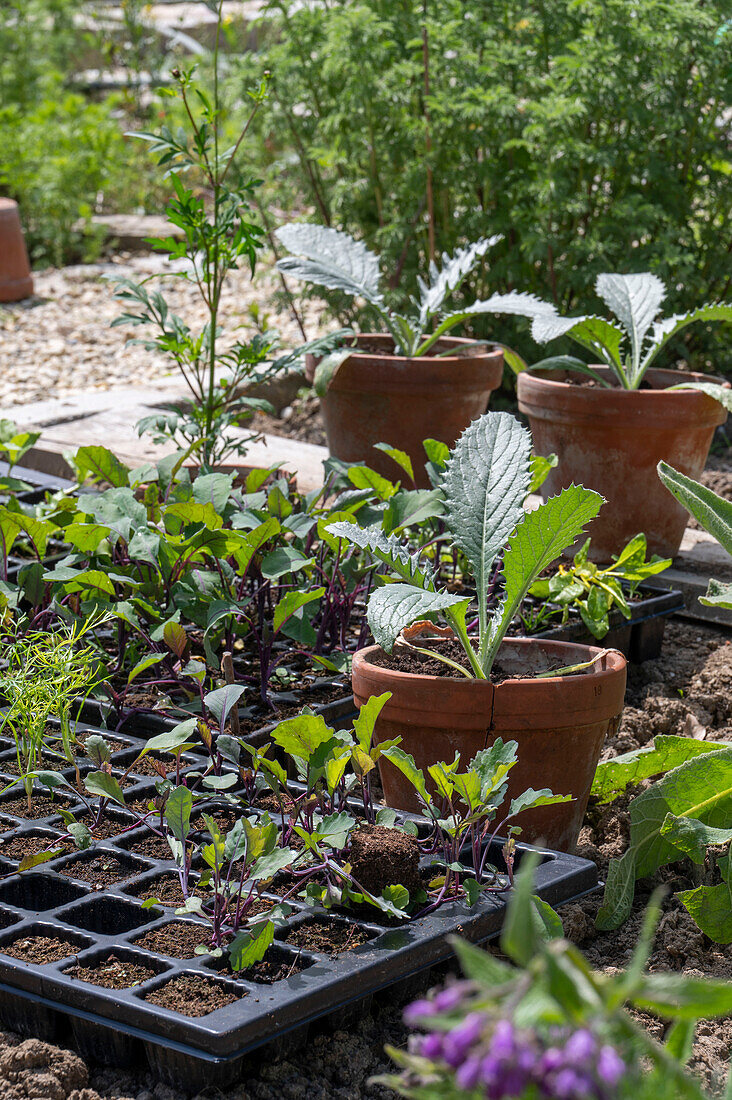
(143, 665)
(250, 946)
(175, 638)
(178, 809)
(401, 458)
(221, 701)
(548, 924)
(80, 835)
(28, 862)
(292, 602)
(480, 965)
(172, 740)
(97, 749)
(531, 800)
(104, 785)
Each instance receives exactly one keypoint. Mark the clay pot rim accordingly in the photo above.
(548, 380)
(483, 349)
(613, 663)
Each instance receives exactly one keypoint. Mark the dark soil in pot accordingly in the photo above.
(101, 870)
(40, 949)
(327, 936)
(156, 847)
(112, 973)
(406, 660)
(17, 847)
(40, 806)
(194, 995)
(166, 889)
(178, 940)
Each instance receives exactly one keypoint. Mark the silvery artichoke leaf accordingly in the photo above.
(396, 606)
(667, 327)
(330, 258)
(485, 483)
(635, 300)
(601, 337)
(455, 268)
(387, 548)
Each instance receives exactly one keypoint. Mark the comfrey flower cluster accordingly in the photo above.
(481, 1052)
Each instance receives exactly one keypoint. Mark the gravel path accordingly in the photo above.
(61, 341)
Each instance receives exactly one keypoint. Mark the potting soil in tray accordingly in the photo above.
(59, 937)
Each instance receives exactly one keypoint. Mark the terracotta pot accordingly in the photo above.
(15, 274)
(384, 398)
(612, 441)
(560, 724)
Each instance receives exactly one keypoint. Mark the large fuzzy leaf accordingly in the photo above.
(396, 606)
(330, 258)
(599, 336)
(711, 906)
(538, 540)
(635, 300)
(454, 269)
(667, 752)
(665, 329)
(485, 483)
(388, 549)
(521, 305)
(713, 512)
(702, 789)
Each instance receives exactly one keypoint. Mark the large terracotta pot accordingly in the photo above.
(611, 440)
(384, 398)
(15, 274)
(560, 724)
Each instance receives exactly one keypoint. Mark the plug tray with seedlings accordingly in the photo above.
(91, 940)
(639, 638)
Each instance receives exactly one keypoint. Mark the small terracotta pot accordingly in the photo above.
(560, 724)
(611, 440)
(16, 281)
(384, 398)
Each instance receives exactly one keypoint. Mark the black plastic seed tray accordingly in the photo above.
(338, 713)
(639, 638)
(57, 900)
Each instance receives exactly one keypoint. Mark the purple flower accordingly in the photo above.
(450, 997)
(503, 1040)
(568, 1084)
(417, 1010)
(458, 1042)
(581, 1046)
(469, 1073)
(610, 1066)
(431, 1046)
(551, 1059)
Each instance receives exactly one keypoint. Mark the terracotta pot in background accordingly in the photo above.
(379, 397)
(560, 724)
(611, 440)
(16, 281)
